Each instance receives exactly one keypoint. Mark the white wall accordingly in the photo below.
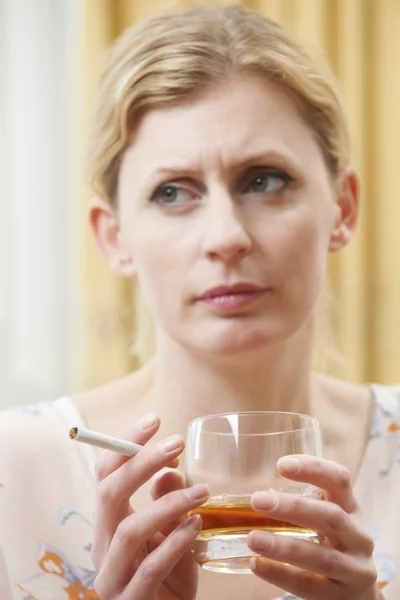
(39, 58)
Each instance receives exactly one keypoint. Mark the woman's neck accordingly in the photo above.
(188, 385)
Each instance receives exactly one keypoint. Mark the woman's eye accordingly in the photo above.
(269, 182)
(170, 195)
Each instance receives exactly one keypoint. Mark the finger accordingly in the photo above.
(163, 484)
(325, 474)
(125, 481)
(166, 482)
(321, 560)
(301, 584)
(159, 564)
(108, 462)
(326, 518)
(139, 433)
(115, 491)
(133, 533)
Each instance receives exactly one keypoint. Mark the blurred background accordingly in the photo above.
(66, 322)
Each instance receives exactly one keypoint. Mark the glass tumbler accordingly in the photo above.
(236, 454)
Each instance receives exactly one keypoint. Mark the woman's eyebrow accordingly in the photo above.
(186, 169)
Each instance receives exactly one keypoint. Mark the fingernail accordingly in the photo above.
(253, 563)
(259, 565)
(194, 523)
(200, 491)
(264, 500)
(262, 541)
(147, 421)
(170, 444)
(290, 465)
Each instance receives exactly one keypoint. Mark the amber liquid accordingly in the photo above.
(232, 518)
(222, 542)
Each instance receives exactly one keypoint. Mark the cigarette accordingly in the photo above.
(86, 436)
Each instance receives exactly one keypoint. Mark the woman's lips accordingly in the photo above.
(233, 297)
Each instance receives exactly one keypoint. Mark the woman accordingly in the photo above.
(223, 179)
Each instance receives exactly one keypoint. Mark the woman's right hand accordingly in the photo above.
(145, 555)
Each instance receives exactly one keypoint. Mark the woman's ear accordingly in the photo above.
(103, 223)
(348, 203)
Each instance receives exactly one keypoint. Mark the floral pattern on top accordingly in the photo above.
(75, 583)
(386, 427)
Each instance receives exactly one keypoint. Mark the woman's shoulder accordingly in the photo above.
(346, 397)
(371, 400)
(375, 407)
(26, 425)
(34, 438)
(340, 390)
(26, 430)
(39, 432)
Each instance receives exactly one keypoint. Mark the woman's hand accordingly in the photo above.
(145, 555)
(343, 568)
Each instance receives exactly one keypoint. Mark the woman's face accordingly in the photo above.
(230, 192)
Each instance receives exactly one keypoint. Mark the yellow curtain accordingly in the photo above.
(361, 40)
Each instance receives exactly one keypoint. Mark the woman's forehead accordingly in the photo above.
(237, 122)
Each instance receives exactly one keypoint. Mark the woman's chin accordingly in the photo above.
(237, 342)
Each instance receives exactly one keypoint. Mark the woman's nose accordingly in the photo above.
(226, 237)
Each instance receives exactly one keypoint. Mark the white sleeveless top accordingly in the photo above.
(47, 501)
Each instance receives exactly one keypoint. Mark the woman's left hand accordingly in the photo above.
(342, 568)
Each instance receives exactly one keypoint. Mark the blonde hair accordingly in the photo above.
(175, 56)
